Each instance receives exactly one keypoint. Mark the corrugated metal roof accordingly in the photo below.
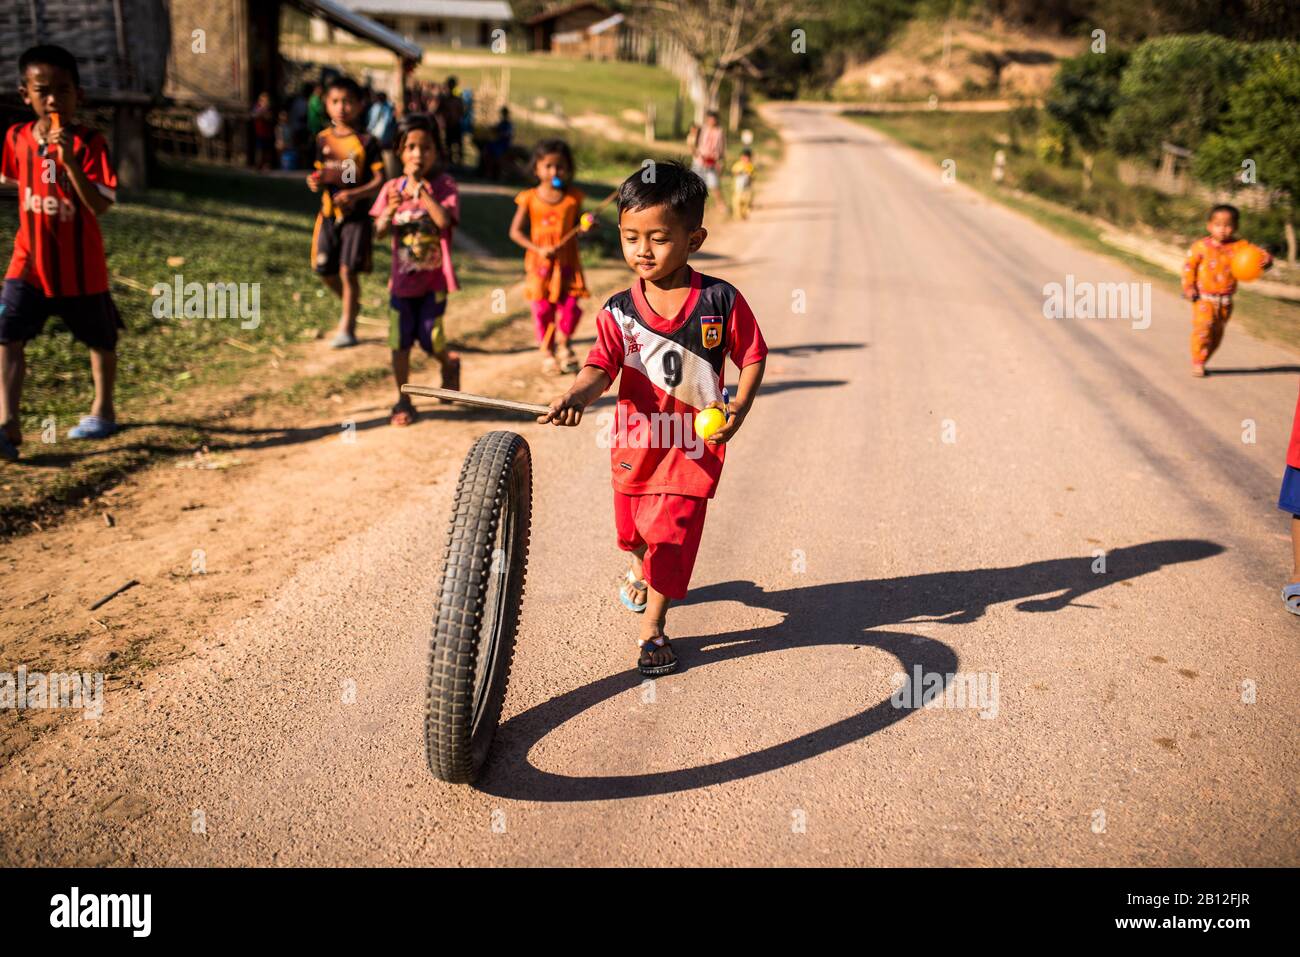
(339, 15)
(607, 24)
(440, 9)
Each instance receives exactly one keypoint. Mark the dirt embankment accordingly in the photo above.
(959, 59)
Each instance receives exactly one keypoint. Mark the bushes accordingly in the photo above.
(1176, 89)
(1085, 93)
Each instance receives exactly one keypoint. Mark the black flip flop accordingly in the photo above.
(643, 662)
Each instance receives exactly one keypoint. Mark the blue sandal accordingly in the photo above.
(92, 427)
(8, 448)
(626, 599)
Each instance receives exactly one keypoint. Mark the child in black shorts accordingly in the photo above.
(349, 172)
(65, 182)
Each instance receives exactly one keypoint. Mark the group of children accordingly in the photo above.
(665, 339)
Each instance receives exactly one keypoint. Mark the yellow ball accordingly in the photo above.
(708, 421)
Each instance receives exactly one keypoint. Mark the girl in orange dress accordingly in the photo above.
(553, 280)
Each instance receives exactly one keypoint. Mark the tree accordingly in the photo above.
(1084, 95)
(1261, 128)
(1175, 89)
(719, 34)
(838, 35)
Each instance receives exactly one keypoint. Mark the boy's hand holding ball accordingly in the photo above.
(718, 421)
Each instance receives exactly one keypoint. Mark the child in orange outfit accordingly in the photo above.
(553, 280)
(1209, 284)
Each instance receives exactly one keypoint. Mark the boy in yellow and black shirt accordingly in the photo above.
(349, 173)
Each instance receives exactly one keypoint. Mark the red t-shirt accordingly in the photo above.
(671, 368)
(58, 247)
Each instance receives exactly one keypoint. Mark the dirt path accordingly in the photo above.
(926, 482)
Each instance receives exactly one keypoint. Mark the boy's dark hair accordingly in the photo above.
(671, 184)
(1232, 211)
(47, 54)
(419, 121)
(552, 146)
(345, 83)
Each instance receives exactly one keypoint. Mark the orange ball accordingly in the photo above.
(1248, 262)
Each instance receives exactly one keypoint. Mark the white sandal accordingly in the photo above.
(1291, 597)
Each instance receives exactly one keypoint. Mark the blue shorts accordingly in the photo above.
(91, 319)
(1289, 499)
(418, 319)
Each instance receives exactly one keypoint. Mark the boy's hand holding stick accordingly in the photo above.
(567, 409)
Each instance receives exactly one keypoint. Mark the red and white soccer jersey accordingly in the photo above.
(58, 249)
(671, 367)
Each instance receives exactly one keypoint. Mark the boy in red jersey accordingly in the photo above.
(665, 339)
(65, 181)
(349, 173)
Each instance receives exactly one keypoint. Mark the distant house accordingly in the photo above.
(603, 40)
(121, 55)
(568, 22)
(453, 23)
(225, 52)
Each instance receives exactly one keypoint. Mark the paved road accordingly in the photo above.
(925, 482)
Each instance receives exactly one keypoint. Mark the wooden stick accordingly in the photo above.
(594, 213)
(479, 401)
(113, 594)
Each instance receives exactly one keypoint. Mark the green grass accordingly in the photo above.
(1053, 195)
(228, 227)
(578, 86)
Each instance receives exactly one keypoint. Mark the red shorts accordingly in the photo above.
(669, 526)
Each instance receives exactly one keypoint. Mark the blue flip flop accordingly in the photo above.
(92, 427)
(626, 599)
(8, 451)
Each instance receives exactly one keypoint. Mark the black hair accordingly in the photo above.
(1232, 211)
(345, 83)
(419, 121)
(546, 147)
(670, 184)
(47, 54)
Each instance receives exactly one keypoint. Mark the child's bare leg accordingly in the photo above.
(103, 369)
(401, 370)
(351, 294)
(13, 369)
(1295, 549)
(638, 595)
(652, 626)
(333, 284)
